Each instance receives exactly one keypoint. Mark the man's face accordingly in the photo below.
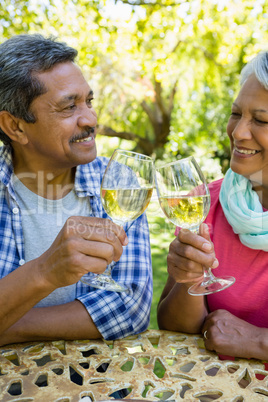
(65, 129)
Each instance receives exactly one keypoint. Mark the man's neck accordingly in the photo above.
(48, 184)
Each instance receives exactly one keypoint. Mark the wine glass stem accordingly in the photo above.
(195, 229)
(208, 275)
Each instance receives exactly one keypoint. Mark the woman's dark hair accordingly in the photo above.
(21, 57)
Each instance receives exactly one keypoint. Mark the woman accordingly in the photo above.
(234, 322)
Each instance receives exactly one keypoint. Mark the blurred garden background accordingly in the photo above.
(164, 75)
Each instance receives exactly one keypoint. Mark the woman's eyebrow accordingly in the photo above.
(254, 110)
(234, 104)
(260, 110)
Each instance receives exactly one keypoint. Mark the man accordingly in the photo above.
(53, 229)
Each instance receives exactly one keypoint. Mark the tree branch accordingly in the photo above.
(150, 113)
(172, 96)
(159, 100)
(143, 143)
(206, 53)
(109, 132)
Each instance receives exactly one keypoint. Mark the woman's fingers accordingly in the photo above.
(189, 254)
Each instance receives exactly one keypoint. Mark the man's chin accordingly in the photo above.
(90, 157)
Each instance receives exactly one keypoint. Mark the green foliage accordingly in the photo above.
(161, 235)
(194, 50)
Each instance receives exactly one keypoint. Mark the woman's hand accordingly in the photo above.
(226, 334)
(189, 253)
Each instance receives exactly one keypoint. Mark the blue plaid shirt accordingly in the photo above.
(116, 315)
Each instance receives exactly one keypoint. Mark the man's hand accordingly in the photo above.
(83, 245)
(189, 253)
(228, 335)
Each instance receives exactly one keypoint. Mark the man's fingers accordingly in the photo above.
(93, 264)
(97, 230)
(105, 251)
(90, 226)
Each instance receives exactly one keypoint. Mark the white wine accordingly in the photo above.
(185, 211)
(125, 204)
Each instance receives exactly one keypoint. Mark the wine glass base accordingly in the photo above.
(104, 282)
(211, 286)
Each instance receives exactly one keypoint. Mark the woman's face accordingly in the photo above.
(248, 132)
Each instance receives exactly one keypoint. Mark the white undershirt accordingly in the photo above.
(42, 219)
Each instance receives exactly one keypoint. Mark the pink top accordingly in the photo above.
(248, 297)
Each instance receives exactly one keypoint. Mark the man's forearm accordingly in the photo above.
(67, 321)
(19, 292)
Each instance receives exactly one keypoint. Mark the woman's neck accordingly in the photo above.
(262, 194)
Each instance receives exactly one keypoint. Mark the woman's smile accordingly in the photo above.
(245, 152)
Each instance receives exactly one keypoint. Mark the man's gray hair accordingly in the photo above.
(258, 66)
(21, 57)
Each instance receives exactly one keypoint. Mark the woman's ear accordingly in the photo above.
(12, 127)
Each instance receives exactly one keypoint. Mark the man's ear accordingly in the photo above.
(13, 127)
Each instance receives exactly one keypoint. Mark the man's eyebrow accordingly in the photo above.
(73, 97)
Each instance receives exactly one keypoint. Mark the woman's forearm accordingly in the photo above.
(179, 311)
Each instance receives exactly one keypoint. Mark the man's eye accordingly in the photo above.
(234, 114)
(89, 101)
(70, 107)
(261, 121)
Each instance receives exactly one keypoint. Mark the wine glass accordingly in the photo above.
(184, 198)
(126, 190)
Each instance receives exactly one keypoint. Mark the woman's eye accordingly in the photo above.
(234, 114)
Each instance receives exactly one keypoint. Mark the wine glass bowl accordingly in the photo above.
(184, 197)
(183, 193)
(125, 193)
(127, 186)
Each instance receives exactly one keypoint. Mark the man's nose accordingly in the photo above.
(88, 117)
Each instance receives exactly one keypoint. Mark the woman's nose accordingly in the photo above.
(242, 130)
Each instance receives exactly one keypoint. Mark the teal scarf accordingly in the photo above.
(244, 212)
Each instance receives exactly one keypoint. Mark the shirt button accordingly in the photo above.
(15, 210)
(21, 262)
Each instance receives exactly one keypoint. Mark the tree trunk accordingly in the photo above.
(159, 115)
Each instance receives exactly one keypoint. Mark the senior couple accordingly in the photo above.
(50, 179)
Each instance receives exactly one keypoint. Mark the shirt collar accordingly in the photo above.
(6, 164)
(87, 177)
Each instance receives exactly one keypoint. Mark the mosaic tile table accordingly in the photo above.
(153, 366)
